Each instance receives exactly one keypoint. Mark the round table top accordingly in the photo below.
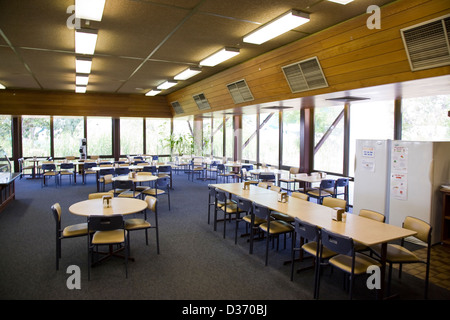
(119, 206)
(137, 178)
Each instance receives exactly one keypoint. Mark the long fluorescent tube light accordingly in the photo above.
(188, 73)
(2, 86)
(89, 9)
(220, 56)
(82, 79)
(83, 65)
(152, 93)
(166, 85)
(85, 40)
(288, 21)
(341, 1)
(80, 89)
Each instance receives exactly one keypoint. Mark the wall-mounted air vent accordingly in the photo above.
(201, 101)
(305, 75)
(177, 107)
(240, 91)
(428, 44)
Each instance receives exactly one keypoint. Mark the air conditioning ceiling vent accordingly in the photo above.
(202, 102)
(240, 92)
(305, 75)
(177, 107)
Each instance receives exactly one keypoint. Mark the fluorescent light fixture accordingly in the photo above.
(288, 21)
(188, 73)
(83, 65)
(152, 93)
(89, 9)
(341, 1)
(85, 40)
(2, 86)
(80, 89)
(81, 79)
(220, 56)
(167, 85)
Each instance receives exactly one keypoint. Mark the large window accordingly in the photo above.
(206, 137)
(329, 139)
(426, 118)
(67, 132)
(36, 136)
(99, 136)
(269, 138)
(157, 136)
(183, 137)
(218, 137)
(370, 120)
(5, 135)
(229, 138)
(291, 138)
(131, 136)
(249, 137)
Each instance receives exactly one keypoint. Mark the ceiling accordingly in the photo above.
(143, 43)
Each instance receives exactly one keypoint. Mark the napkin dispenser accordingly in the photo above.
(282, 196)
(337, 214)
(246, 185)
(107, 201)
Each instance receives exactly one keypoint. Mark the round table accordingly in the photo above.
(120, 206)
(137, 178)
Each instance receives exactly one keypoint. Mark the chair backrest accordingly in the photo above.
(422, 228)
(88, 165)
(266, 176)
(247, 167)
(105, 223)
(263, 185)
(342, 182)
(66, 165)
(220, 167)
(56, 210)
(151, 169)
(261, 211)
(275, 188)
(123, 184)
(162, 183)
(221, 196)
(122, 170)
(294, 170)
(98, 195)
(334, 202)
(151, 203)
(370, 214)
(337, 243)
(104, 172)
(306, 230)
(327, 184)
(164, 169)
(244, 204)
(300, 195)
(48, 166)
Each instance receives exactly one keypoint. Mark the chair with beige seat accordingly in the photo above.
(373, 215)
(162, 187)
(49, 171)
(71, 231)
(321, 192)
(99, 195)
(290, 179)
(300, 195)
(398, 254)
(143, 223)
(226, 207)
(278, 215)
(66, 170)
(334, 203)
(348, 260)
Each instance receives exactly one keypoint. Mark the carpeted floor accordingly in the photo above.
(195, 262)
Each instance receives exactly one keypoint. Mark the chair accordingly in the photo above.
(212, 169)
(106, 177)
(125, 189)
(87, 170)
(270, 227)
(340, 189)
(162, 187)
(107, 230)
(370, 214)
(99, 195)
(302, 185)
(279, 215)
(321, 192)
(264, 185)
(348, 260)
(398, 254)
(164, 171)
(244, 206)
(334, 203)
(223, 173)
(122, 170)
(291, 178)
(267, 177)
(310, 243)
(23, 167)
(152, 169)
(300, 195)
(195, 168)
(48, 171)
(66, 169)
(244, 172)
(143, 224)
(227, 207)
(71, 231)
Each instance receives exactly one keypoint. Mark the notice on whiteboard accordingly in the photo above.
(399, 186)
(368, 159)
(399, 159)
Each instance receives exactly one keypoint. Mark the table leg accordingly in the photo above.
(382, 289)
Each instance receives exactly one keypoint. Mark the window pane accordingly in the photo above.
(218, 138)
(426, 118)
(330, 155)
(36, 136)
(206, 137)
(249, 137)
(182, 133)
(99, 136)
(157, 136)
(131, 136)
(291, 138)
(370, 120)
(229, 142)
(67, 132)
(269, 138)
(5, 135)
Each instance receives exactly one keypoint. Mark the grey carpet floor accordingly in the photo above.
(195, 262)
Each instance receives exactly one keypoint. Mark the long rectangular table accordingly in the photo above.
(363, 230)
